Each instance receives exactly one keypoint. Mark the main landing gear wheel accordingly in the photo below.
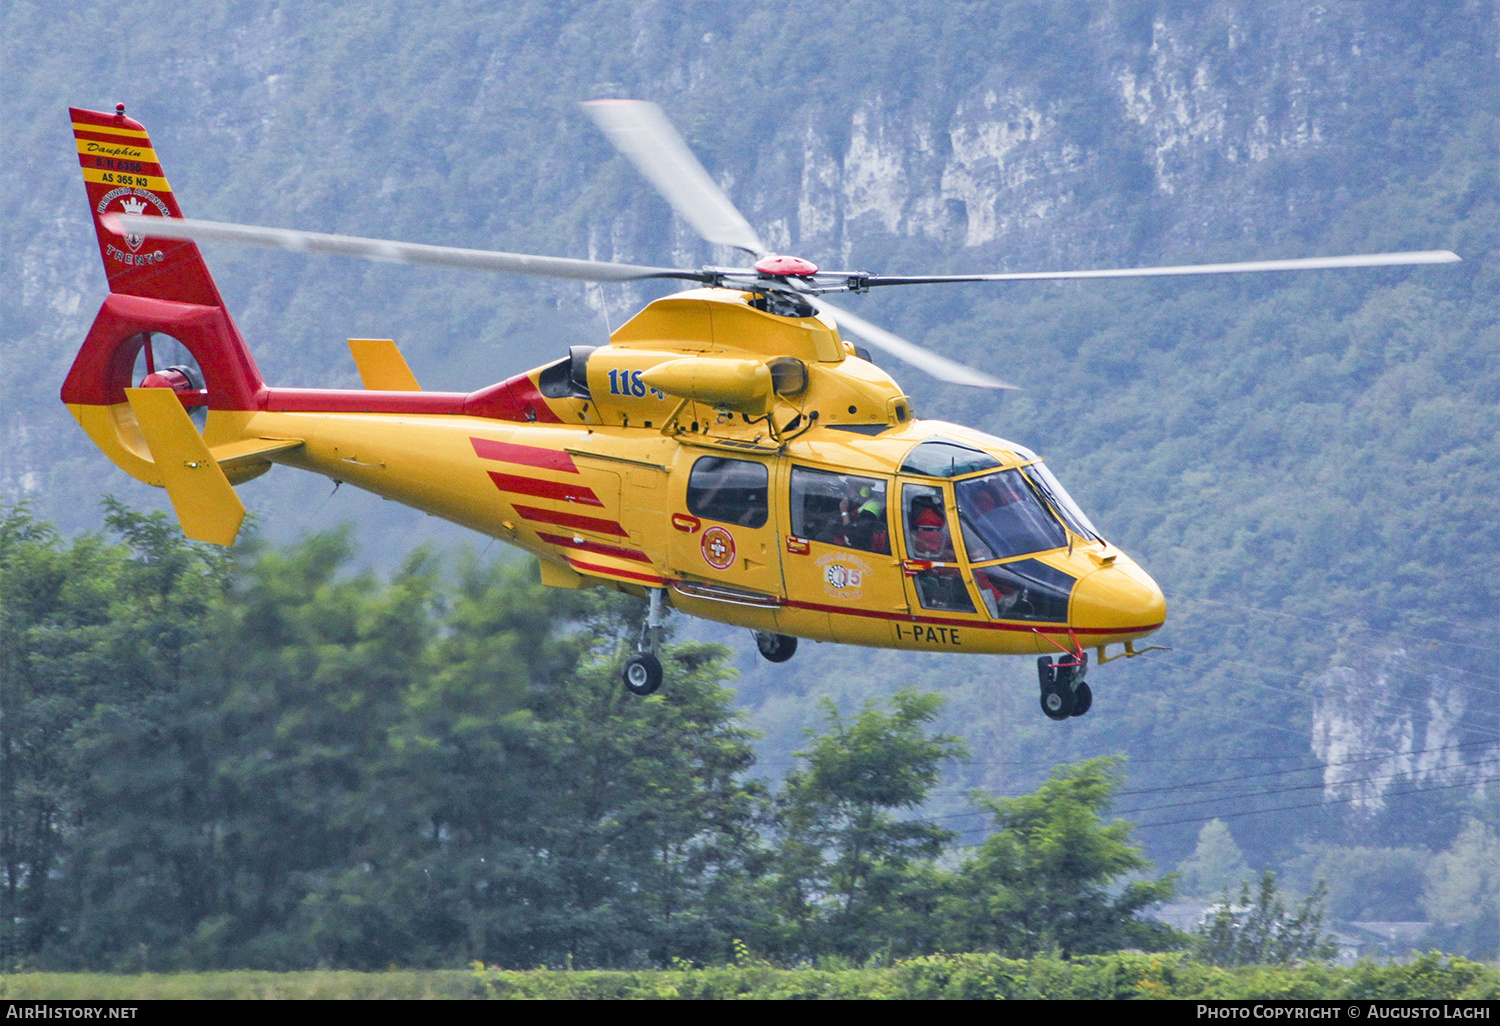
(642, 671)
(777, 648)
(641, 674)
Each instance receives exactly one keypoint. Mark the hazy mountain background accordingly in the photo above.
(1307, 464)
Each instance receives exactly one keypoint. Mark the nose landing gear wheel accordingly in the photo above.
(777, 648)
(641, 674)
(1057, 701)
(1064, 694)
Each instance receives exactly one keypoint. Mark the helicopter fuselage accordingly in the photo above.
(752, 465)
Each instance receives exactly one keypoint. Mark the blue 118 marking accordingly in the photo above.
(623, 382)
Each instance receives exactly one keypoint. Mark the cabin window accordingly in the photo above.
(1025, 590)
(1002, 516)
(840, 509)
(729, 490)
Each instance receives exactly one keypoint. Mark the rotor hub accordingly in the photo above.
(786, 267)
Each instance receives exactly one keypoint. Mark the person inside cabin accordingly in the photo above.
(864, 522)
(930, 538)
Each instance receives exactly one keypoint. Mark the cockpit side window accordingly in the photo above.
(840, 509)
(942, 587)
(925, 516)
(1025, 590)
(1002, 516)
(728, 490)
(1052, 489)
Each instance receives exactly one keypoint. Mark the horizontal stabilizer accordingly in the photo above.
(202, 496)
(382, 368)
(238, 455)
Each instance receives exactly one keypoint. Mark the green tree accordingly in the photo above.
(1049, 877)
(1363, 882)
(1216, 863)
(93, 638)
(1462, 889)
(537, 813)
(1261, 930)
(849, 874)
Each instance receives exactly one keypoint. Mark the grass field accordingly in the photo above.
(1121, 976)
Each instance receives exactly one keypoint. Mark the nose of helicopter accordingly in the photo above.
(1118, 600)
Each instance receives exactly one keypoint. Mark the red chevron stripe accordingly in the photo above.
(560, 490)
(573, 520)
(527, 455)
(598, 548)
(607, 571)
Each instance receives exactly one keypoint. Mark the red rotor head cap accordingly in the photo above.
(786, 267)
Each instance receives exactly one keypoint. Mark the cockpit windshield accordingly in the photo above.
(1001, 516)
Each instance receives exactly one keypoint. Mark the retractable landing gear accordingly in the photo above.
(777, 648)
(1064, 692)
(642, 671)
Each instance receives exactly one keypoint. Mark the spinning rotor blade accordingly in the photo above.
(642, 133)
(380, 249)
(1430, 256)
(924, 360)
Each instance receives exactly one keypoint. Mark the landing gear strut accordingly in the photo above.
(777, 648)
(642, 671)
(1064, 692)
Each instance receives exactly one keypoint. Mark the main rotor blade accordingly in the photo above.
(380, 249)
(923, 359)
(1430, 256)
(642, 133)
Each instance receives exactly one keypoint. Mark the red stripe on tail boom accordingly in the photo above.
(560, 490)
(596, 547)
(527, 455)
(573, 520)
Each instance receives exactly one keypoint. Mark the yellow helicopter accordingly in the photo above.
(729, 454)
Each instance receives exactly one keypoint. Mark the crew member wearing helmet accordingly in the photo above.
(930, 538)
(862, 519)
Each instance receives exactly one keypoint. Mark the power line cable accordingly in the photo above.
(1314, 805)
(1290, 789)
(1214, 798)
(1411, 703)
(1319, 767)
(1281, 808)
(1338, 623)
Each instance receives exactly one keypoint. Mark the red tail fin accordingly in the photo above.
(122, 175)
(157, 286)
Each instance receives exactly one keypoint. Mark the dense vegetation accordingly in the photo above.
(1307, 464)
(954, 977)
(267, 761)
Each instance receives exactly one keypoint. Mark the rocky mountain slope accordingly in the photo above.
(1307, 464)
